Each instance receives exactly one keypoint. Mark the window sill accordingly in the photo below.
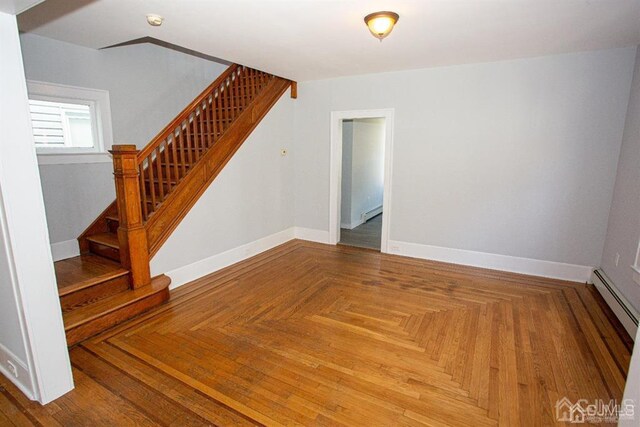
(67, 159)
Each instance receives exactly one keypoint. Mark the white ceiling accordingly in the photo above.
(16, 6)
(315, 39)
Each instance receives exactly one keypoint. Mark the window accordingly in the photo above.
(70, 124)
(62, 125)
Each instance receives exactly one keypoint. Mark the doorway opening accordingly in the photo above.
(360, 193)
(362, 183)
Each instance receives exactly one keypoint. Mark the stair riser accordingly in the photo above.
(112, 226)
(94, 293)
(102, 323)
(105, 251)
(170, 162)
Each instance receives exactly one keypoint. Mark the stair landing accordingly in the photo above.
(95, 294)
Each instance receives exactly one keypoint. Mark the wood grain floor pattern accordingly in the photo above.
(310, 334)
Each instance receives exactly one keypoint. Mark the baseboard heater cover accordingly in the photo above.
(622, 308)
(373, 212)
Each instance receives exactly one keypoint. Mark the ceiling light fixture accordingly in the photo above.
(154, 20)
(381, 23)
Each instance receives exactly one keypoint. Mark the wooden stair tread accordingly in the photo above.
(113, 218)
(106, 239)
(84, 271)
(93, 311)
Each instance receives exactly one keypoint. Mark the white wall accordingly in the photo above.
(362, 184)
(13, 341)
(514, 158)
(31, 332)
(252, 198)
(15, 7)
(367, 181)
(623, 233)
(345, 183)
(148, 86)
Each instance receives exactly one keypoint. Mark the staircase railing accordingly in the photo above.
(145, 179)
(169, 156)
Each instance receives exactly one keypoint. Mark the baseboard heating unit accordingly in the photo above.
(622, 308)
(373, 212)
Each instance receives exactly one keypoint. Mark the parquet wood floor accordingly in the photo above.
(312, 334)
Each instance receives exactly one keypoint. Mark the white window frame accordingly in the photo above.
(98, 101)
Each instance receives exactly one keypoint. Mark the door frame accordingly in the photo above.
(335, 179)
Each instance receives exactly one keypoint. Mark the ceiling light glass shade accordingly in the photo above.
(381, 23)
(154, 20)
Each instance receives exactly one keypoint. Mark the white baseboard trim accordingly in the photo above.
(373, 212)
(620, 306)
(353, 224)
(364, 217)
(311, 234)
(534, 267)
(23, 380)
(64, 250)
(209, 265)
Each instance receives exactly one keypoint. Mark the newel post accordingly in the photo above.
(132, 236)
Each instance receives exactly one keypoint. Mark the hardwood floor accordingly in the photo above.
(321, 335)
(365, 235)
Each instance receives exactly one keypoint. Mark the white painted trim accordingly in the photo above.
(364, 217)
(635, 273)
(636, 267)
(23, 381)
(353, 224)
(311, 235)
(535, 267)
(209, 265)
(99, 98)
(371, 214)
(29, 249)
(614, 303)
(64, 250)
(335, 170)
(27, 387)
(16, 7)
(67, 159)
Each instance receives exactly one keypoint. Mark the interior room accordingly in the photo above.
(362, 182)
(319, 213)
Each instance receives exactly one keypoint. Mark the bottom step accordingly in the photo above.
(89, 320)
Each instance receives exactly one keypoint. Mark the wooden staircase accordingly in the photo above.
(155, 188)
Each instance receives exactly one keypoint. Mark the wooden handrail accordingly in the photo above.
(174, 152)
(153, 180)
(164, 133)
(178, 203)
(156, 187)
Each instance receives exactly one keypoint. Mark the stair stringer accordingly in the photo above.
(176, 206)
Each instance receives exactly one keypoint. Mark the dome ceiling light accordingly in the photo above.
(154, 20)
(381, 23)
